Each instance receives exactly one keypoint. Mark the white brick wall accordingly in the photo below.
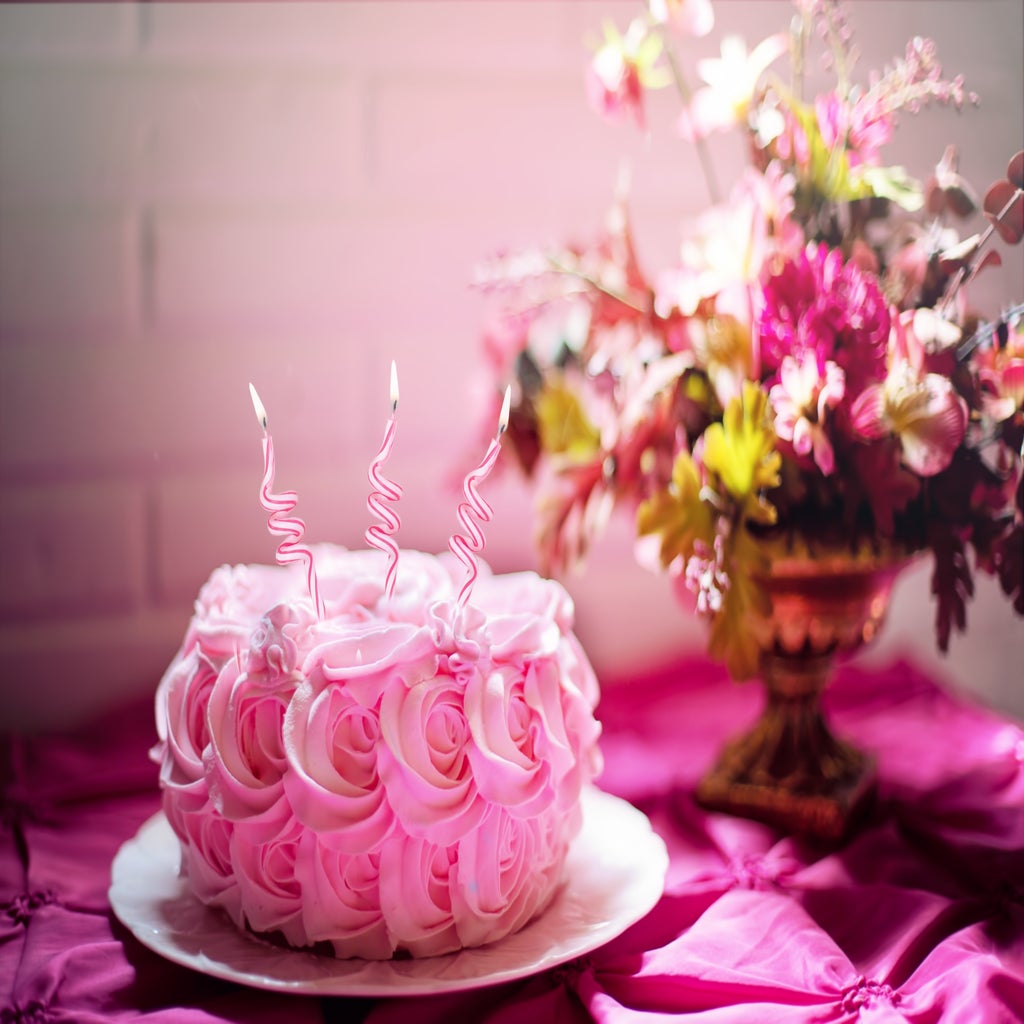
(193, 196)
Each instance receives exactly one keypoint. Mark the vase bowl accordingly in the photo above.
(790, 770)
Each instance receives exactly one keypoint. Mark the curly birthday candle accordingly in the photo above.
(465, 546)
(281, 523)
(384, 490)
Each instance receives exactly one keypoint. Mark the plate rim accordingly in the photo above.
(646, 841)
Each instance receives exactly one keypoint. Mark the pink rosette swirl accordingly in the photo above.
(230, 604)
(273, 654)
(265, 858)
(330, 741)
(245, 761)
(206, 856)
(510, 749)
(416, 895)
(531, 696)
(425, 759)
(364, 656)
(181, 701)
(341, 903)
(507, 871)
(524, 614)
(350, 581)
(332, 731)
(353, 583)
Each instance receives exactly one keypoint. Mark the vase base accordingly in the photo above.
(829, 817)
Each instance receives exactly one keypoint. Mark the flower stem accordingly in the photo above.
(593, 282)
(961, 275)
(966, 349)
(703, 153)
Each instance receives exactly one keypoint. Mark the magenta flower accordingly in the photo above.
(818, 304)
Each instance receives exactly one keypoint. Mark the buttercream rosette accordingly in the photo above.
(403, 775)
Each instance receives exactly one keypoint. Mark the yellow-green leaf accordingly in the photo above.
(740, 452)
(677, 515)
(564, 426)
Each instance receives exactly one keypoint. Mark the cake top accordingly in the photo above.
(514, 613)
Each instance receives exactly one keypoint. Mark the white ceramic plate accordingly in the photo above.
(615, 870)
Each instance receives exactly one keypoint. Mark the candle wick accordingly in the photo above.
(258, 407)
(505, 410)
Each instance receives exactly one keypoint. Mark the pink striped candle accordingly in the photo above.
(281, 523)
(467, 545)
(379, 535)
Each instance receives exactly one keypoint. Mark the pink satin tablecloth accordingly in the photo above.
(920, 917)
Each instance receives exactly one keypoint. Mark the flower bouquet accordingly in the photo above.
(808, 381)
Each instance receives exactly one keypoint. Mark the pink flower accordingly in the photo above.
(924, 412)
(860, 131)
(920, 408)
(801, 401)
(1001, 374)
(833, 119)
(731, 83)
(870, 128)
(705, 576)
(620, 71)
(734, 242)
(688, 17)
(1004, 394)
(790, 140)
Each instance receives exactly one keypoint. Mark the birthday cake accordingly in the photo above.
(398, 774)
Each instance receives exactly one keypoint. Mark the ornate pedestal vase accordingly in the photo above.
(790, 770)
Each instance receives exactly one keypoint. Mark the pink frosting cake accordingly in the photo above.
(400, 776)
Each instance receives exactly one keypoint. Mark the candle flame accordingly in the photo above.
(261, 413)
(505, 406)
(394, 386)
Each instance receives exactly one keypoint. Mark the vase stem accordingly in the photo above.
(790, 770)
